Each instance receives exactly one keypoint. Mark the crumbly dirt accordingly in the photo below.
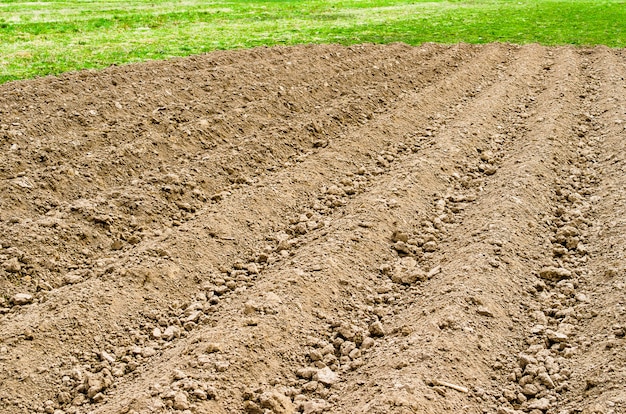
(366, 229)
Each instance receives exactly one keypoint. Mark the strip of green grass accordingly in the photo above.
(41, 38)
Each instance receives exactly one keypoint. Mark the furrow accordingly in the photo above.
(483, 279)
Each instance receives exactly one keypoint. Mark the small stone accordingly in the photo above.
(430, 246)
(99, 397)
(346, 348)
(178, 374)
(180, 401)
(326, 376)
(490, 170)
(306, 373)
(156, 333)
(105, 356)
(367, 343)
(64, 397)
(316, 406)
(315, 355)
(200, 394)
(399, 236)
(376, 329)
(530, 390)
(117, 245)
(95, 385)
(213, 347)
(276, 402)
(484, 311)
(250, 407)
(148, 352)
(542, 404)
(221, 366)
(72, 278)
(12, 265)
(171, 332)
(402, 248)
(556, 336)
(554, 273)
(22, 299)
(545, 379)
(194, 316)
(253, 268)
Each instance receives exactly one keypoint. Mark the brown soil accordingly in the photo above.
(372, 229)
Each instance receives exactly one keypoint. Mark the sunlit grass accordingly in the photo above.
(41, 38)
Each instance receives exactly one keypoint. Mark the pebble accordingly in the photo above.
(556, 336)
(171, 332)
(156, 333)
(276, 402)
(376, 329)
(430, 246)
(316, 406)
(148, 352)
(326, 376)
(367, 343)
(12, 265)
(484, 311)
(21, 299)
(554, 273)
(180, 401)
(541, 404)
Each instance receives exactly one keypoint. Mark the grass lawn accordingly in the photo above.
(49, 37)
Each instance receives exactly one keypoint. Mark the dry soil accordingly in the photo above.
(366, 229)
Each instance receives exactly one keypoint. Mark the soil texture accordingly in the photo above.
(318, 229)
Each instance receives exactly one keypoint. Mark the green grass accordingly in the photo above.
(41, 38)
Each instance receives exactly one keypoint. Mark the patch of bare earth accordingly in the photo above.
(367, 229)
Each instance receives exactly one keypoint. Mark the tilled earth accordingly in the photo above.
(367, 229)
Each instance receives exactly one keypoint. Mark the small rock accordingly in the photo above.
(213, 347)
(21, 299)
(367, 343)
(376, 329)
(399, 236)
(180, 401)
(250, 407)
(178, 374)
(98, 398)
(316, 406)
(484, 311)
(555, 273)
(72, 278)
(276, 402)
(221, 366)
(12, 265)
(530, 390)
(148, 352)
(326, 376)
(556, 336)
(306, 373)
(156, 333)
(171, 332)
(430, 246)
(105, 356)
(95, 384)
(402, 248)
(545, 379)
(541, 404)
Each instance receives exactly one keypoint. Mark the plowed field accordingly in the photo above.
(366, 229)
